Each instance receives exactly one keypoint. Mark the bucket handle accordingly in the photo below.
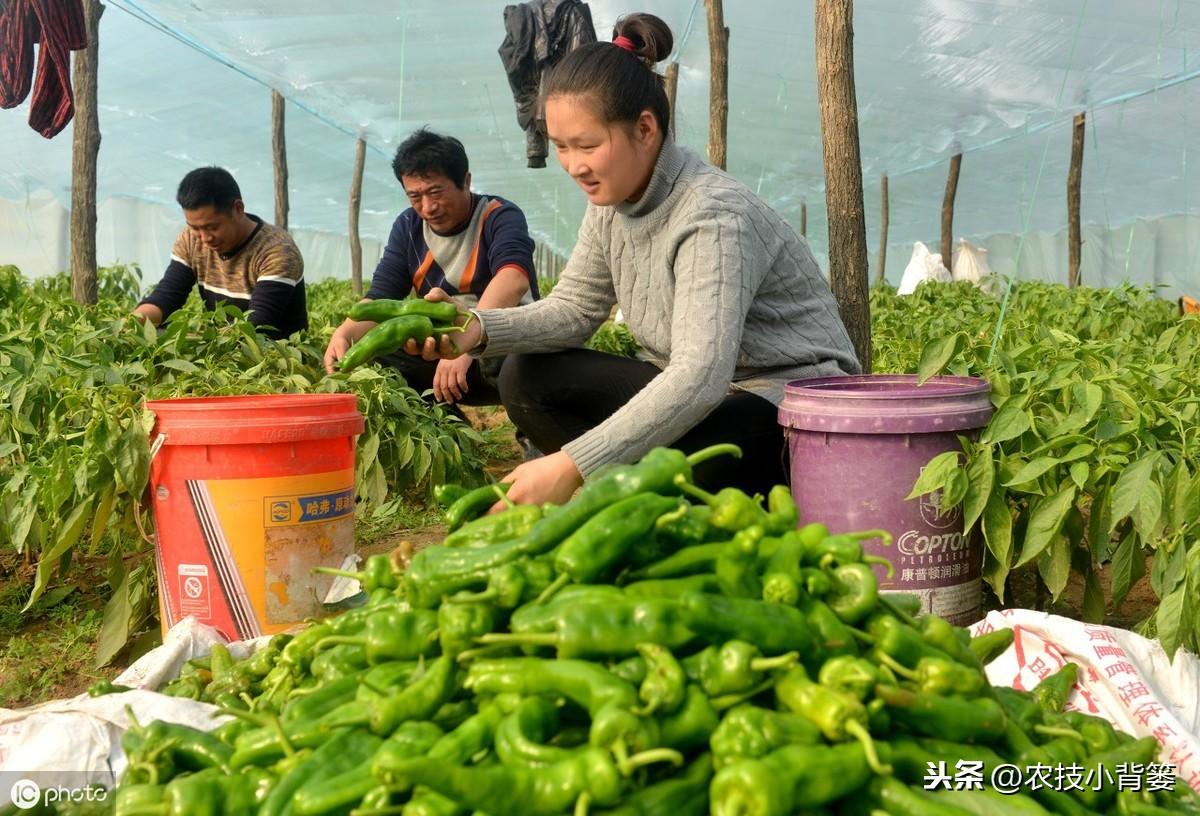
(155, 447)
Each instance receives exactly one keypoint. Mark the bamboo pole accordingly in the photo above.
(880, 275)
(1074, 187)
(948, 210)
(671, 85)
(843, 171)
(718, 89)
(85, 147)
(279, 152)
(360, 160)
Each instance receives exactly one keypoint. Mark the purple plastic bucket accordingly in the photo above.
(858, 445)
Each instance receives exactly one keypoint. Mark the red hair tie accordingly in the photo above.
(625, 44)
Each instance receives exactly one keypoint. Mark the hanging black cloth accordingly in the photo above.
(538, 34)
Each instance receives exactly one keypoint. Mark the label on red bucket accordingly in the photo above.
(239, 553)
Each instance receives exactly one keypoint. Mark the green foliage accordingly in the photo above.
(614, 338)
(1091, 455)
(74, 452)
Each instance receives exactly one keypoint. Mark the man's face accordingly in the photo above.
(439, 203)
(220, 231)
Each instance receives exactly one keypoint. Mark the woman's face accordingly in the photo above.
(611, 162)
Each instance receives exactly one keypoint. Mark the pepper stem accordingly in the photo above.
(471, 654)
(644, 758)
(552, 590)
(288, 749)
(762, 664)
(582, 804)
(855, 729)
(705, 454)
(879, 559)
(337, 640)
(503, 494)
(883, 535)
(359, 576)
(895, 610)
(896, 666)
(667, 518)
(863, 636)
(1059, 731)
(730, 700)
(687, 487)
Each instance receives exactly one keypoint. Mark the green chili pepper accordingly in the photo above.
(732, 509)
(838, 715)
(1052, 692)
(522, 735)
(690, 524)
(691, 726)
(139, 799)
(631, 669)
(683, 794)
(941, 676)
(831, 635)
(608, 629)
(447, 494)
(952, 718)
(855, 591)
(390, 634)
(748, 732)
(417, 701)
(589, 685)
(543, 791)
(989, 646)
(847, 548)
(456, 747)
(189, 748)
(210, 793)
(340, 661)
(774, 628)
(987, 802)
(493, 529)
(1097, 733)
(337, 754)
(377, 573)
(436, 572)
(671, 587)
(849, 674)
(898, 799)
(601, 543)
(390, 336)
(785, 576)
(905, 603)
(379, 311)
(734, 667)
(688, 561)
(899, 641)
(474, 504)
(663, 688)
(512, 584)
(789, 779)
(735, 566)
(782, 513)
(1019, 707)
(943, 635)
(459, 624)
(103, 687)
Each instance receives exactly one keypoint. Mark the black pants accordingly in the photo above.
(481, 377)
(554, 398)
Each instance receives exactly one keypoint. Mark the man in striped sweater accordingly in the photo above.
(231, 257)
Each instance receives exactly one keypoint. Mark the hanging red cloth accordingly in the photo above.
(57, 27)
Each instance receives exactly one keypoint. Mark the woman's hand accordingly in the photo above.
(453, 344)
(552, 478)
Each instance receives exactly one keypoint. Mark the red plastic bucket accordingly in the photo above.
(249, 494)
(858, 445)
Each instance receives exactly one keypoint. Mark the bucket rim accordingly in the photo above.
(843, 387)
(250, 402)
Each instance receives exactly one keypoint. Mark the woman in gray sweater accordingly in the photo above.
(724, 298)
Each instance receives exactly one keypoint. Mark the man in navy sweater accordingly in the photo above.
(474, 247)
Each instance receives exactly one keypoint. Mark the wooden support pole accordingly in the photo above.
(948, 211)
(803, 219)
(85, 147)
(1074, 187)
(718, 89)
(671, 84)
(279, 151)
(360, 159)
(843, 171)
(883, 230)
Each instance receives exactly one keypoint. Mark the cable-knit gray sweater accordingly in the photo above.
(718, 290)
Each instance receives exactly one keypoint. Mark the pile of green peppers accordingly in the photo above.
(647, 649)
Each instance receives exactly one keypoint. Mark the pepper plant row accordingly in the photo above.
(1091, 456)
(647, 648)
(74, 451)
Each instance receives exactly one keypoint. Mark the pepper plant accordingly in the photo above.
(1090, 457)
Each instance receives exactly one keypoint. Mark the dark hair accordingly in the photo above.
(427, 152)
(208, 187)
(620, 83)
